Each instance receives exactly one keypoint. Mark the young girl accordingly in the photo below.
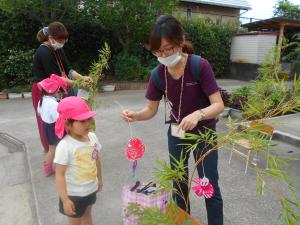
(47, 108)
(78, 167)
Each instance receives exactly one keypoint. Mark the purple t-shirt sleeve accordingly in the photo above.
(153, 93)
(207, 78)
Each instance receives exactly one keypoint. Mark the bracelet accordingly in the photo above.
(202, 114)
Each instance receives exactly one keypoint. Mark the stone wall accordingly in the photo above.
(243, 71)
(125, 85)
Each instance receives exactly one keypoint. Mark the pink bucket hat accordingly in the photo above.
(50, 85)
(62, 83)
(71, 108)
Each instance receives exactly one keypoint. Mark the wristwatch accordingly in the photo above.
(202, 114)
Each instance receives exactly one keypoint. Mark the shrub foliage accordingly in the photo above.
(98, 22)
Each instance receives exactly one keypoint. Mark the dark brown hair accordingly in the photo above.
(171, 29)
(55, 29)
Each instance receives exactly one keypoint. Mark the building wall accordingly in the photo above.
(210, 9)
(251, 48)
(216, 13)
(265, 43)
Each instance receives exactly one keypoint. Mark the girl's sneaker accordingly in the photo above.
(48, 170)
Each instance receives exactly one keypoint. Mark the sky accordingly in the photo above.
(263, 9)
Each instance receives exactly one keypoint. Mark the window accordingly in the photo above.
(188, 12)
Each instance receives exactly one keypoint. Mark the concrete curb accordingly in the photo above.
(286, 137)
(36, 212)
(277, 134)
(14, 145)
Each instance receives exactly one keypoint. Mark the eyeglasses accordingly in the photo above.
(165, 51)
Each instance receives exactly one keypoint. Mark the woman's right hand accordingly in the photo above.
(69, 207)
(86, 82)
(129, 116)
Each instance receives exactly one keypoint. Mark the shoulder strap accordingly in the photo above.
(156, 78)
(60, 64)
(195, 66)
(58, 60)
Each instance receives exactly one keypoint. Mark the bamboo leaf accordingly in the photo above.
(260, 185)
(187, 222)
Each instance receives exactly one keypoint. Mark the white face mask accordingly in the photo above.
(56, 45)
(171, 60)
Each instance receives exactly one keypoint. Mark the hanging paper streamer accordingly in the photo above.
(134, 166)
(203, 187)
(200, 189)
(122, 108)
(135, 150)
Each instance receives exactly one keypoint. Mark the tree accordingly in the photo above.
(44, 11)
(294, 47)
(127, 20)
(286, 9)
(294, 55)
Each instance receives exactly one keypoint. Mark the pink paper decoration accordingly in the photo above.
(135, 149)
(207, 190)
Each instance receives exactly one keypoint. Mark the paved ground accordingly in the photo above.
(15, 188)
(230, 85)
(26, 204)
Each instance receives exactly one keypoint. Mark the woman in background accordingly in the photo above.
(50, 59)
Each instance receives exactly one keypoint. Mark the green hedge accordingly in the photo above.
(129, 67)
(295, 69)
(18, 31)
(211, 41)
(85, 39)
(17, 68)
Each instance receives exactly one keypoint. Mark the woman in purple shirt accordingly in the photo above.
(194, 101)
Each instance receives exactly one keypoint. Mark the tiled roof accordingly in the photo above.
(239, 4)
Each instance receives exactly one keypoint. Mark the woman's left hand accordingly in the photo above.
(189, 122)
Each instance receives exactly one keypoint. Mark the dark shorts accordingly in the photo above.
(81, 204)
(49, 129)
